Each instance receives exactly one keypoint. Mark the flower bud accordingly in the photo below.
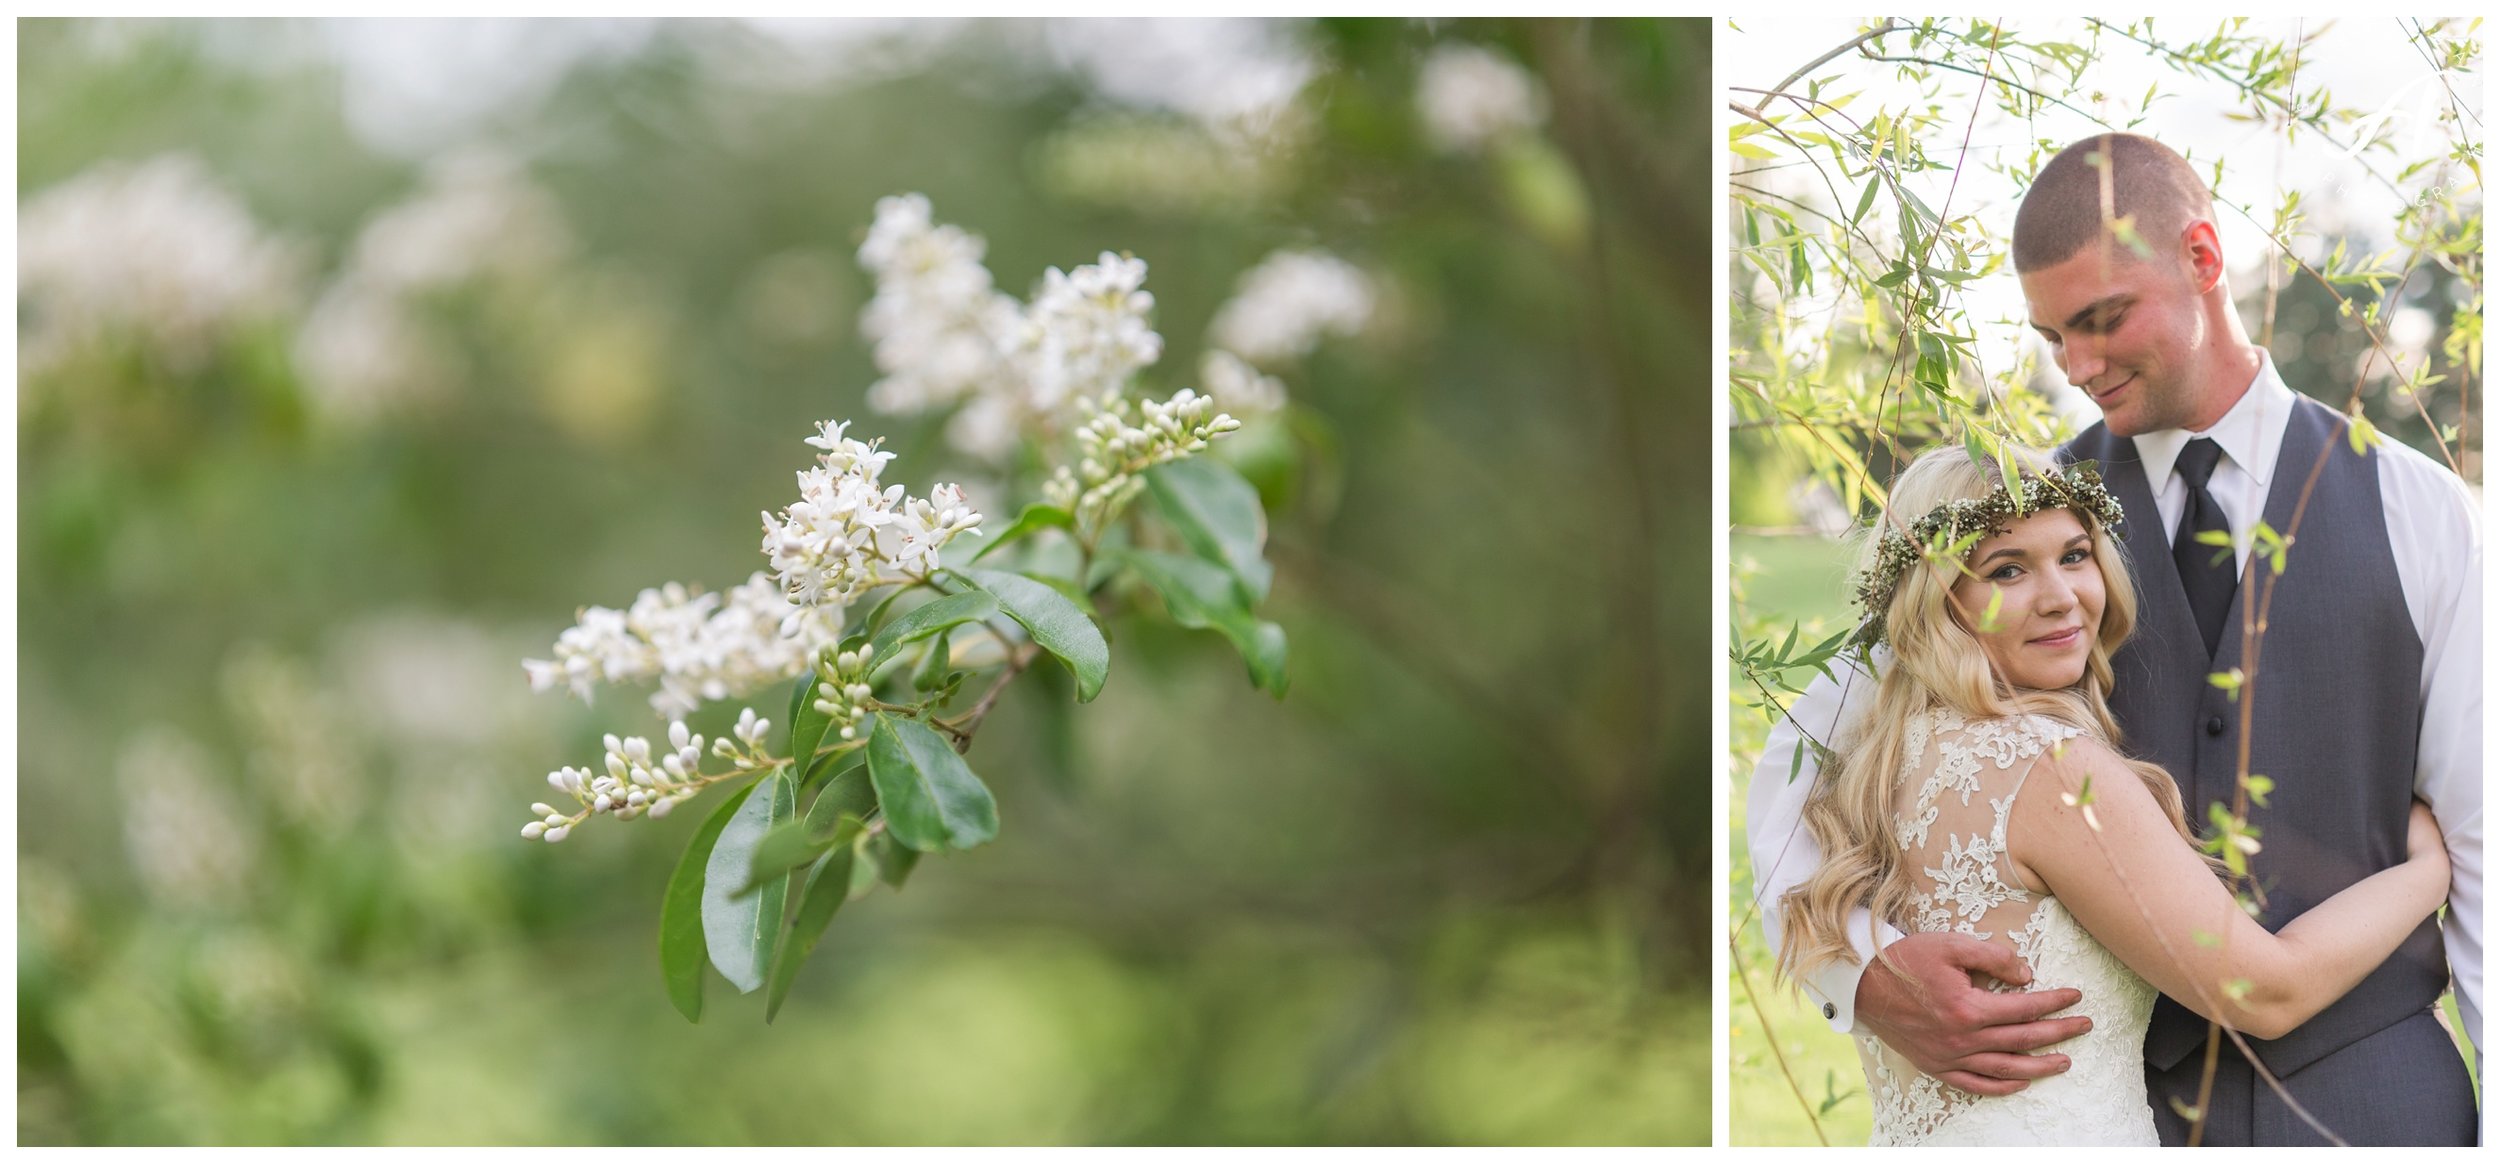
(602, 804)
(677, 734)
(616, 766)
(659, 808)
(558, 833)
(533, 829)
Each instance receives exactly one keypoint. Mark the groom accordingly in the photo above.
(2365, 691)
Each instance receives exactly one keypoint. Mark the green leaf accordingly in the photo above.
(934, 666)
(828, 886)
(807, 725)
(864, 864)
(1867, 199)
(1052, 705)
(1217, 513)
(682, 952)
(1201, 597)
(1039, 516)
(850, 795)
(931, 798)
(1975, 446)
(797, 842)
(740, 931)
(1060, 626)
(894, 862)
(1988, 619)
(833, 764)
(920, 622)
(788, 846)
(2363, 434)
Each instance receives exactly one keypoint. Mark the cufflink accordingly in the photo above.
(1830, 1011)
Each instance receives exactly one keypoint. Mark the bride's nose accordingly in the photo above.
(2056, 595)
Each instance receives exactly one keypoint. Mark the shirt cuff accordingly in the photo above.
(1834, 989)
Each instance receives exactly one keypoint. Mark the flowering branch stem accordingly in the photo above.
(963, 728)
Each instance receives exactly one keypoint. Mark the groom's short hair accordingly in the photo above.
(2064, 208)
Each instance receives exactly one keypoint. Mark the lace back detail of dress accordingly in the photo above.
(1959, 782)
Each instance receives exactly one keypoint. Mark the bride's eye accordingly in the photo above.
(2078, 554)
(2005, 573)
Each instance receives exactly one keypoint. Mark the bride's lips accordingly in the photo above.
(2061, 640)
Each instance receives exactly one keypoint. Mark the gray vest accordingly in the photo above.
(2338, 705)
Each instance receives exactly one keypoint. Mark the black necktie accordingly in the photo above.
(2208, 571)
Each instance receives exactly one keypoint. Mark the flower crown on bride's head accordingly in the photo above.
(1950, 529)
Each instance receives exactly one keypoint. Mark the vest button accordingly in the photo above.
(2213, 725)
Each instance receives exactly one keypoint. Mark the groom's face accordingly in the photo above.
(2123, 328)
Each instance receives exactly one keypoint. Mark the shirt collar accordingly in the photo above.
(2251, 433)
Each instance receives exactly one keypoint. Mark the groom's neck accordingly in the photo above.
(2225, 367)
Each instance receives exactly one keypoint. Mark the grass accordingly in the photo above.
(1780, 580)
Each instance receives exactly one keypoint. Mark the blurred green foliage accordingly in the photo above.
(275, 743)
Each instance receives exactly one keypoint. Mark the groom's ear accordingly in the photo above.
(2201, 249)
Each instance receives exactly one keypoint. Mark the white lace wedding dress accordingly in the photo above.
(1966, 776)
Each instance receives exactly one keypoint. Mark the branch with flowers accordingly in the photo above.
(865, 770)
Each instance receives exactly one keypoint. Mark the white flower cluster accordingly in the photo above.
(698, 646)
(1086, 333)
(475, 215)
(843, 689)
(945, 336)
(186, 839)
(1285, 305)
(157, 250)
(1471, 96)
(941, 329)
(848, 532)
(1242, 389)
(634, 784)
(365, 350)
(1114, 451)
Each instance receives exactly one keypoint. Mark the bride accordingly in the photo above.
(1985, 794)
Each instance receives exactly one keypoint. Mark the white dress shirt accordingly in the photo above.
(2436, 537)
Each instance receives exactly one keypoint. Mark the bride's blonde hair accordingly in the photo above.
(1936, 662)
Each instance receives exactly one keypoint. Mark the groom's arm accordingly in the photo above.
(2448, 777)
(1783, 853)
(1922, 1001)
(2435, 533)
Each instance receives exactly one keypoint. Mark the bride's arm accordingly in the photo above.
(2146, 895)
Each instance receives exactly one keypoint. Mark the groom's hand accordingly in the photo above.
(1936, 1014)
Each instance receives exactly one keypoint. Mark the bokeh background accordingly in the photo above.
(354, 358)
